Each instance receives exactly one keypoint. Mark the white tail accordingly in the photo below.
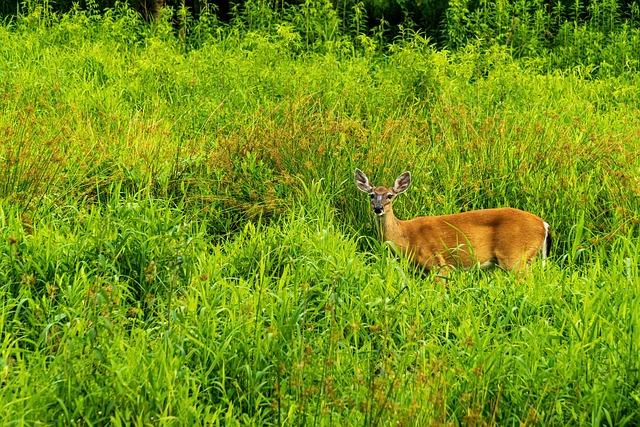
(507, 237)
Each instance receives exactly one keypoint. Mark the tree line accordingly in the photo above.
(446, 22)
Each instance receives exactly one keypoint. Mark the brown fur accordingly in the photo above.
(507, 237)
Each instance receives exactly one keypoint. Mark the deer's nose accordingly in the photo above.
(377, 209)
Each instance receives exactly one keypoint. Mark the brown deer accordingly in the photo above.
(507, 237)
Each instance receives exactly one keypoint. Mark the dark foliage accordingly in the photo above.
(427, 16)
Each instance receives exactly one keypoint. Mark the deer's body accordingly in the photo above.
(506, 237)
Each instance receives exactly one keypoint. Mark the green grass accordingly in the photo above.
(181, 241)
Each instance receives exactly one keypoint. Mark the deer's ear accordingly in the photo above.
(362, 182)
(402, 183)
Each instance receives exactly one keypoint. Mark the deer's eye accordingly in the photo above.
(372, 195)
(389, 196)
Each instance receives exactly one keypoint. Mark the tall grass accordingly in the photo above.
(181, 241)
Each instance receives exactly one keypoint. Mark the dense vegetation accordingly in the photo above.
(181, 241)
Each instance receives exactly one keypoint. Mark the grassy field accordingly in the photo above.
(182, 242)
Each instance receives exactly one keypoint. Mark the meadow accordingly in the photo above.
(182, 243)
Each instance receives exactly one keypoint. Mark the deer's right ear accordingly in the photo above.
(362, 182)
(402, 183)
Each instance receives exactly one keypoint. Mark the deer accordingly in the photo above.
(505, 237)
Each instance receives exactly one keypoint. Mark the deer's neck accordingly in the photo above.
(390, 227)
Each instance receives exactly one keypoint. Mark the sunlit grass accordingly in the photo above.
(181, 241)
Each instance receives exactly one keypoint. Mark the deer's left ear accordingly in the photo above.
(402, 183)
(362, 182)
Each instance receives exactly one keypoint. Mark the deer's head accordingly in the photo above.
(382, 197)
